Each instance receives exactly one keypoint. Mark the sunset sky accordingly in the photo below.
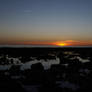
(46, 22)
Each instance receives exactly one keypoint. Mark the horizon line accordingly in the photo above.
(29, 46)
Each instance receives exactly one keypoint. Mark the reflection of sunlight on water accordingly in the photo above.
(47, 64)
(83, 60)
(72, 56)
(80, 59)
(68, 52)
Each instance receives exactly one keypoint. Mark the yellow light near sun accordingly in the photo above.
(61, 44)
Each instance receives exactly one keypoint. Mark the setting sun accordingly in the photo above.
(61, 44)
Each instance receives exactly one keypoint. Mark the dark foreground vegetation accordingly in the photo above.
(46, 69)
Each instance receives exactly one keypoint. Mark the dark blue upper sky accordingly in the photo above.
(45, 20)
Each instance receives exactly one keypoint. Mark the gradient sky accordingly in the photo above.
(46, 22)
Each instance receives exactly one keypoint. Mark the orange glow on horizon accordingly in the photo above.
(45, 43)
(49, 43)
(61, 44)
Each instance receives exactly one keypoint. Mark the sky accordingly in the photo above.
(46, 22)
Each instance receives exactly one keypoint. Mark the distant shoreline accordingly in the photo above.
(41, 46)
